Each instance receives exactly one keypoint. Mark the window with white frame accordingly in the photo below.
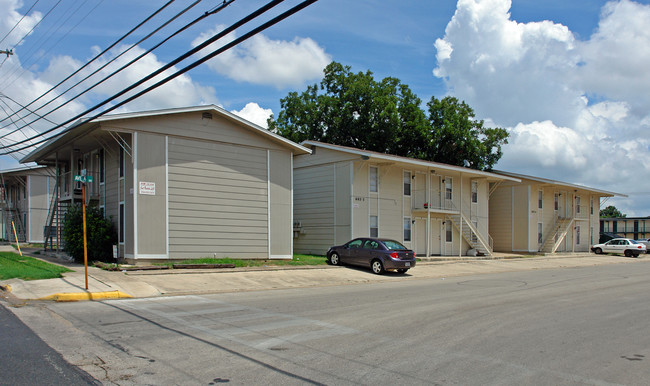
(556, 201)
(474, 192)
(407, 229)
(578, 235)
(578, 204)
(374, 179)
(374, 226)
(540, 236)
(407, 183)
(591, 205)
(448, 234)
(540, 199)
(448, 188)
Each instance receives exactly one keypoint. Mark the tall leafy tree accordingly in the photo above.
(457, 138)
(611, 212)
(354, 109)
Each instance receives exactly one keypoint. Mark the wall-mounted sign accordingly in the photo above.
(148, 188)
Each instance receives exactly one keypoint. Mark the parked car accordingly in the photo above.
(379, 254)
(645, 242)
(628, 247)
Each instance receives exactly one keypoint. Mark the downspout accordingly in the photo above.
(460, 205)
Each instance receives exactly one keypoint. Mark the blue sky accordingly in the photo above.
(567, 79)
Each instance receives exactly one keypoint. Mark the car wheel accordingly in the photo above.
(377, 267)
(628, 253)
(334, 259)
(598, 251)
(402, 270)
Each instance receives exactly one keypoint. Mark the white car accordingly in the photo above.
(646, 242)
(628, 247)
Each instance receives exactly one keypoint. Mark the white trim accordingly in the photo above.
(291, 207)
(268, 202)
(351, 165)
(134, 150)
(334, 205)
(278, 257)
(146, 256)
(167, 195)
(28, 224)
(411, 161)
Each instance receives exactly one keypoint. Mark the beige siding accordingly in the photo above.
(501, 219)
(194, 126)
(313, 200)
(361, 200)
(39, 199)
(151, 210)
(343, 202)
(321, 156)
(280, 204)
(521, 228)
(218, 200)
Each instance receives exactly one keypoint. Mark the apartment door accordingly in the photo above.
(420, 236)
(435, 243)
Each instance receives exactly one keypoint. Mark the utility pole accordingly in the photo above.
(8, 52)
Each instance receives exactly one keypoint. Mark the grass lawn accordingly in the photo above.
(297, 260)
(12, 265)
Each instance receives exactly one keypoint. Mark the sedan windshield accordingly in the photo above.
(394, 245)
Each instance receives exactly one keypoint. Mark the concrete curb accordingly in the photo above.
(79, 296)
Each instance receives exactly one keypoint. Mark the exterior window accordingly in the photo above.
(121, 162)
(591, 205)
(448, 235)
(540, 238)
(540, 199)
(374, 226)
(121, 223)
(407, 183)
(448, 188)
(556, 202)
(578, 204)
(474, 236)
(374, 179)
(578, 235)
(407, 229)
(474, 192)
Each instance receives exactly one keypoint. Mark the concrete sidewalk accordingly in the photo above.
(141, 284)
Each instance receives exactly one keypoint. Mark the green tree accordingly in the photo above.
(611, 212)
(457, 138)
(355, 110)
(100, 234)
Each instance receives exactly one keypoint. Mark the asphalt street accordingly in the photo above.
(564, 326)
(26, 360)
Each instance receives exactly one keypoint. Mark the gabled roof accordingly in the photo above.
(412, 161)
(24, 169)
(81, 128)
(603, 193)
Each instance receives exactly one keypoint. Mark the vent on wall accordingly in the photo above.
(206, 116)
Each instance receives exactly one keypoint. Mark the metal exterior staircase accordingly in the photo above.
(471, 234)
(557, 235)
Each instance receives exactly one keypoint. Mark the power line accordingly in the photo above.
(160, 70)
(227, 46)
(204, 15)
(46, 37)
(93, 59)
(21, 19)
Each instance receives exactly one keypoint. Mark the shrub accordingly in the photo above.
(100, 234)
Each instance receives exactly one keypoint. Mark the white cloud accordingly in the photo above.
(254, 113)
(576, 110)
(260, 60)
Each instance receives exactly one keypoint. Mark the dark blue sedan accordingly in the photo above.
(379, 254)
